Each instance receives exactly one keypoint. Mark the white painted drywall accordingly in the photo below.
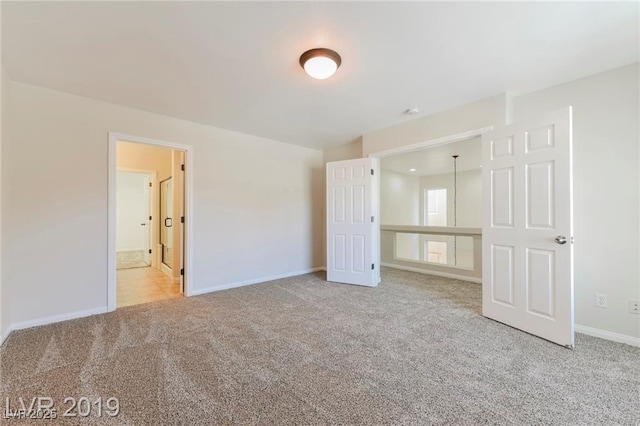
(606, 145)
(469, 198)
(477, 115)
(132, 209)
(399, 198)
(400, 205)
(257, 203)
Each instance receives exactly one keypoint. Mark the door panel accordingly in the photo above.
(503, 280)
(351, 252)
(502, 186)
(527, 275)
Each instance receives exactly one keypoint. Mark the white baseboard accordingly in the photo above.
(436, 273)
(57, 318)
(253, 281)
(3, 336)
(608, 335)
(167, 271)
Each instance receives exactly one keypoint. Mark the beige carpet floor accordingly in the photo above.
(415, 350)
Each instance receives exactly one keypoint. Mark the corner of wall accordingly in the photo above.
(348, 151)
(5, 319)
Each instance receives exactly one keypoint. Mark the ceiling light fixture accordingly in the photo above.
(411, 111)
(320, 63)
(412, 170)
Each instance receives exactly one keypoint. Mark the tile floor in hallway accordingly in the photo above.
(143, 285)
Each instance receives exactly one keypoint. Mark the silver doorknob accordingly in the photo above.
(561, 239)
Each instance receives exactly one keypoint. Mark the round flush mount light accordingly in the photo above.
(320, 63)
(412, 170)
(411, 111)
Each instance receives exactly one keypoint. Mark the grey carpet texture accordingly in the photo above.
(414, 350)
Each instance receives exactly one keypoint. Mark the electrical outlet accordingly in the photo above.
(634, 306)
(601, 300)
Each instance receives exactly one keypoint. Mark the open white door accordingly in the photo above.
(351, 225)
(527, 228)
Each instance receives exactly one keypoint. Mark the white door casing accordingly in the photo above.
(147, 222)
(527, 270)
(352, 252)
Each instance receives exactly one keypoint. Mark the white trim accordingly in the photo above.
(188, 206)
(607, 335)
(3, 337)
(58, 318)
(167, 271)
(436, 273)
(256, 281)
(458, 137)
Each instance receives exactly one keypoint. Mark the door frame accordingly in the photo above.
(113, 138)
(154, 181)
(430, 143)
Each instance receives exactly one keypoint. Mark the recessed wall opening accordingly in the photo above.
(431, 209)
(148, 238)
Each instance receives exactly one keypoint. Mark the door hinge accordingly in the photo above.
(182, 271)
(181, 219)
(149, 251)
(150, 184)
(371, 172)
(150, 218)
(371, 219)
(182, 167)
(372, 266)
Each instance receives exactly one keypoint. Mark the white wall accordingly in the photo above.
(469, 198)
(486, 112)
(400, 205)
(606, 143)
(399, 198)
(256, 206)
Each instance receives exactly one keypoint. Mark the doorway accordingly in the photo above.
(431, 210)
(149, 237)
(133, 218)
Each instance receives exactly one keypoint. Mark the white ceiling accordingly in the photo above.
(437, 160)
(235, 64)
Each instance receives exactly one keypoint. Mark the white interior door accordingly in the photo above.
(352, 255)
(527, 228)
